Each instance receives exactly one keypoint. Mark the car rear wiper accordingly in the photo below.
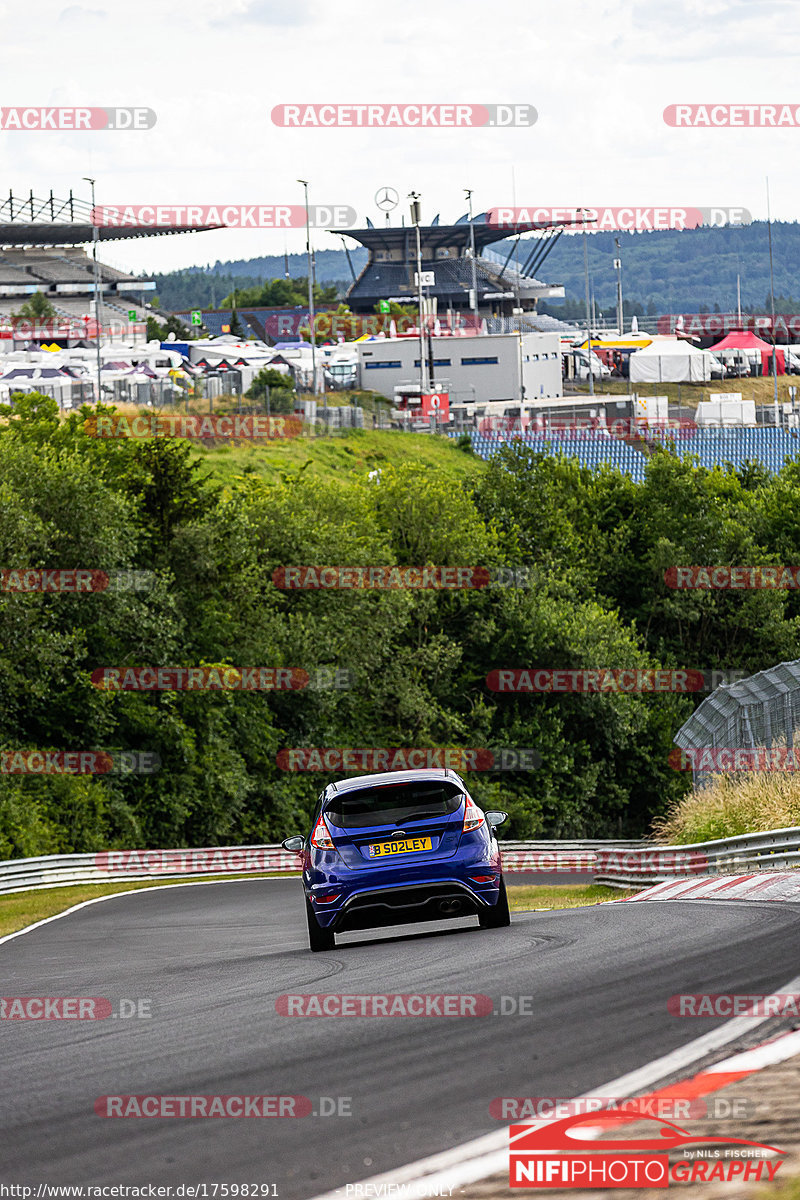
(419, 816)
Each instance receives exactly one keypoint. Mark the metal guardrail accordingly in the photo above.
(746, 853)
(119, 866)
(112, 866)
(623, 864)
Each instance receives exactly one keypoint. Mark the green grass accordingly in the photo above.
(354, 452)
(524, 897)
(781, 1189)
(731, 804)
(25, 908)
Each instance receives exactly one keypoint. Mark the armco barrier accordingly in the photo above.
(725, 856)
(64, 870)
(624, 864)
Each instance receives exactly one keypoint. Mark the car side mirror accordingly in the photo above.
(295, 844)
(496, 818)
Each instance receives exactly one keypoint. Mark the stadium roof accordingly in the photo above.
(435, 236)
(34, 221)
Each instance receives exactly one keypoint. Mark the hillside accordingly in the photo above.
(349, 455)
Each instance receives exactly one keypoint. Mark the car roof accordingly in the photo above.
(388, 778)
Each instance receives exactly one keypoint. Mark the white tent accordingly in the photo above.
(671, 362)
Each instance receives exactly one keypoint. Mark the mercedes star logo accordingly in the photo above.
(386, 199)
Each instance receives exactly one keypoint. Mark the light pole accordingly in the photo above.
(588, 309)
(97, 294)
(618, 267)
(772, 304)
(415, 216)
(468, 192)
(311, 313)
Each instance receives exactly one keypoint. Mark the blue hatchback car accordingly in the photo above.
(399, 847)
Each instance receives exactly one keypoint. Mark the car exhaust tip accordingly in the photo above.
(449, 907)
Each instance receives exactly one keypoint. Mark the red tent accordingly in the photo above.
(741, 340)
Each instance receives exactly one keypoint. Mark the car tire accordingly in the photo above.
(318, 938)
(498, 916)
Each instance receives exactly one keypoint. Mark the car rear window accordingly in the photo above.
(394, 803)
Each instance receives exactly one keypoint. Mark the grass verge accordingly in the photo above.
(733, 804)
(561, 895)
(26, 908)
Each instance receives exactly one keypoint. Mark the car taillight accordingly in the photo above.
(321, 838)
(473, 817)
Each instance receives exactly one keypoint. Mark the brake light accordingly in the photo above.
(321, 838)
(473, 817)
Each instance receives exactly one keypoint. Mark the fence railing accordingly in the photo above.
(622, 864)
(749, 852)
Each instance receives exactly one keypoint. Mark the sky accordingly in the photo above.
(598, 72)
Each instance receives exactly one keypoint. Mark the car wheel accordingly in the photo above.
(318, 938)
(498, 916)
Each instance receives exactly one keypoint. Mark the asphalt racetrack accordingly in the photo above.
(212, 960)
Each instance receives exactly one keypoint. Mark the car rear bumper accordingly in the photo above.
(436, 899)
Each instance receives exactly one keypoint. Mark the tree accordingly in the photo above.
(37, 309)
(281, 389)
(280, 293)
(158, 332)
(236, 326)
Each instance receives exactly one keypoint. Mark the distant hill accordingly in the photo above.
(671, 271)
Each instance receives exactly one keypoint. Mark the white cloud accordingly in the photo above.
(599, 72)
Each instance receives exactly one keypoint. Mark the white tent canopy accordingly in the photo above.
(671, 362)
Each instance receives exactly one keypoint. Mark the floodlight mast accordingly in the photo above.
(415, 219)
(468, 192)
(97, 293)
(311, 314)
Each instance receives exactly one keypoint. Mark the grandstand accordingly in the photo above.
(711, 448)
(446, 253)
(42, 250)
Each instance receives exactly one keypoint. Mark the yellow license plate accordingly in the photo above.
(404, 846)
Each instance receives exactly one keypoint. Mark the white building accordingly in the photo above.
(475, 370)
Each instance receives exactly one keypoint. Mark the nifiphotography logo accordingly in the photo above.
(557, 1155)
